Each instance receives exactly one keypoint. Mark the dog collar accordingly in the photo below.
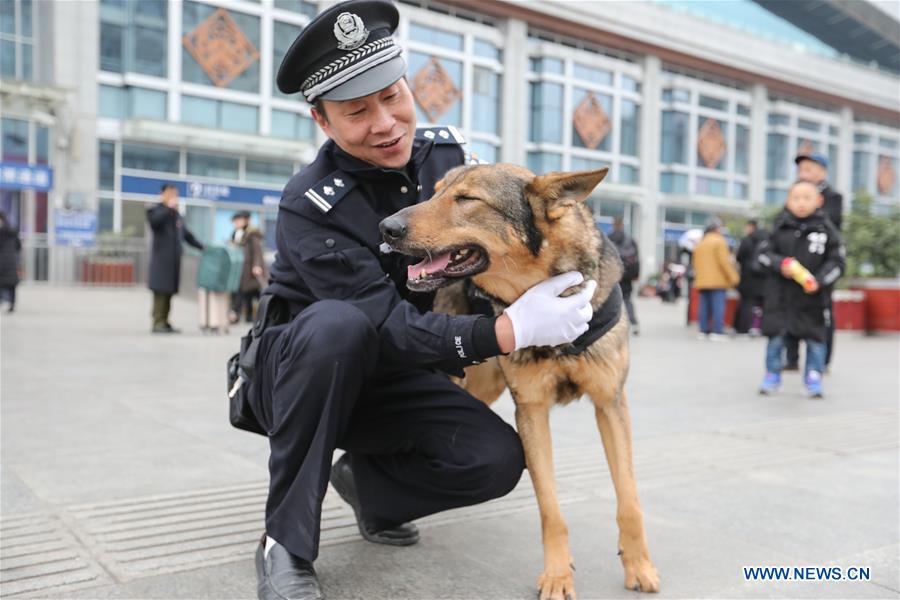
(604, 318)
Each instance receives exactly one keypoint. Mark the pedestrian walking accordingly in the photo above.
(805, 256)
(813, 167)
(752, 286)
(253, 276)
(631, 271)
(714, 273)
(351, 358)
(169, 232)
(10, 246)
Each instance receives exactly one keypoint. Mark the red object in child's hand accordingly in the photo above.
(800, 274)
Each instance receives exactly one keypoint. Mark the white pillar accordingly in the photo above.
(759, 109)
(173, 57)
(842, 176)
(647, 234)
(514, 114)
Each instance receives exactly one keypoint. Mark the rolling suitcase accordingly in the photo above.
(220, 269)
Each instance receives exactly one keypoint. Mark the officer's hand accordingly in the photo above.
(541, 318)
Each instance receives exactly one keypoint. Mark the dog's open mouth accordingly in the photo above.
(435, 271)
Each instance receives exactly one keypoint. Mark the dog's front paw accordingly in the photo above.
(640, 574)
(556, 584)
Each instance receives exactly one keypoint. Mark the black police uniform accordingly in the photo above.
(359, 365)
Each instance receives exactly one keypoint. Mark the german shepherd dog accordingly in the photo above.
(507, 230)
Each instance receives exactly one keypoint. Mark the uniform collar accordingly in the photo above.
(421, 149)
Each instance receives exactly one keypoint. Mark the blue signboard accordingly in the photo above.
(75, 227)
(22, 176)
(673, 234)
(218, 192)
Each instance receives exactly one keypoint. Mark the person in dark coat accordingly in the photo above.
(802, 233)
(813, 167)
(169, 232)
(10, 245)
(631, 263)
(752, 287)
(253, 273)
(359, 361)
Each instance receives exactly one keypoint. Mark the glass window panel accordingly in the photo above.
(435, 37)
(487, 50)
(629, 128)
(106, 163)
(592, 74)
(861, 170)
(779, 119)
(674, 137)
(676, 95)
(546, 64)
(741, 148)
(239, 117)
(723, 127)
(198, 220)
(150, 104)
(740, 190)
(675, 215)
(112, 102)
(546, 112)
(453, 115)
(149, 158)
(105, 214)
(268, 171)
(606, 103)
(486, 100)
(630, 84)
(306, 128)
(42, 145)
(199, 111)
(134, 218)
(711, 186)
(579, 163)
(775, 195)
(673, 183)
(833, 130)
(284, 35)
(808, 125)
(110, 47)
(833, 158)
(15, 140)
(629, 174)
(113, 10)
(153, 10)
(483, 151)
(861, 138)
(887, 143)
(149, 51)
(8, 59)
(299, 6)
(544, 162)
(7, 17)
(194, 13)
(26, 61)
(211, 165)
(743, 109)
(699, 218)
(715, 103)
(284, 124)
(776, 157)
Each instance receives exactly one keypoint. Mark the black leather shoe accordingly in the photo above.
(374, 530)
(283, 576)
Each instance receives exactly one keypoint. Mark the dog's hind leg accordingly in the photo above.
(533, 423)
(614, 423)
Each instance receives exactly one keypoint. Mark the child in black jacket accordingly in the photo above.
(794, 301)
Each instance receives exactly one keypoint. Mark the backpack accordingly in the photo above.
(628, 252)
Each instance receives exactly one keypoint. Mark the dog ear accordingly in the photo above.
(561, 191)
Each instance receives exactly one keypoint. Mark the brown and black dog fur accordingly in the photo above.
(530, 228)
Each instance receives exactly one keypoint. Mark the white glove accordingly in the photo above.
(541, 318)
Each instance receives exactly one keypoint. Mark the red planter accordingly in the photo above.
(882, 303)
(107, 271)
(849, 310)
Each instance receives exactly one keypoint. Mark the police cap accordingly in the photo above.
(345, 52)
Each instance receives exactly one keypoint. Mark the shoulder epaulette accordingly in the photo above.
(329, 190)
(441, 135)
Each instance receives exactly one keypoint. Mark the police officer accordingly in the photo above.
(357, 364)
(813, 167)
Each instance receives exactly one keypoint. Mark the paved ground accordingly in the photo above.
(122, 479)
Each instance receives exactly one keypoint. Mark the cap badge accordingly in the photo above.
(350, 31)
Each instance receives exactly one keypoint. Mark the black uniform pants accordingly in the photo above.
(419, 444)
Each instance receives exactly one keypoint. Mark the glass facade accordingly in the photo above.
(875, 161)
(17, 45)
